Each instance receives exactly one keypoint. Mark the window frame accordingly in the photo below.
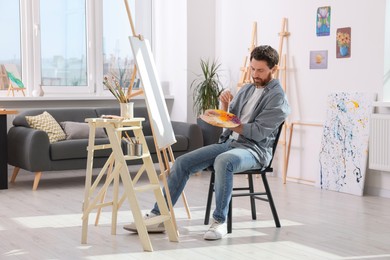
(31, 46)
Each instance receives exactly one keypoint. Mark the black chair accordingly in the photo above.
(264, 196)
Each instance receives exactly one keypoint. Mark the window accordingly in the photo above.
(66, 46)
(118, 58)
(63, 43)
(10, 37)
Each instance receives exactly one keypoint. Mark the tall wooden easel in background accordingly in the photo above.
(282, 66)
(164, 154)
(245, 77)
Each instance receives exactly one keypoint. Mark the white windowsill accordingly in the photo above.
(67, 98)
(381, 104)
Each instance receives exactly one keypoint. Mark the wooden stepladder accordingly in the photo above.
(245, 77)
(93, 197)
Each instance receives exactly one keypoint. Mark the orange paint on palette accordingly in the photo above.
(221, 118)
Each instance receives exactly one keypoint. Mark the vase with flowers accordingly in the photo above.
(126, 107)
(343, 42)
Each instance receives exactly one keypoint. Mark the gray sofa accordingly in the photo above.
(30, 149)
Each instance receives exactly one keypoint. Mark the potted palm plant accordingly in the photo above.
(206, 89)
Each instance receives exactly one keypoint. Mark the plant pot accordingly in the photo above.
(210, 133)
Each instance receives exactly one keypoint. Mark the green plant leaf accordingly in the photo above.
(206, 87)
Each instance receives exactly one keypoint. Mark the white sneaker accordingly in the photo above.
(156, 228)
(216, 231)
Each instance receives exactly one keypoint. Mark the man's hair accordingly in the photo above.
(265, 53)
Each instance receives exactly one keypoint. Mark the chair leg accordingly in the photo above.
(14, 174)
(252, 198)
(209, 199)
(230, 216)
(270, 200)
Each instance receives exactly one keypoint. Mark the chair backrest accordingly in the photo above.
(275, 144)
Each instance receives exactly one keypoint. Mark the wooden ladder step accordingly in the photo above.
(127, 128)
(132, 157)
(99, 147)
(157, 219)
(147, 187)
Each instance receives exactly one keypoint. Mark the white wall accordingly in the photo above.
(170, 51)
(184, 32)
(307, 89)
(386, 73)
(201, 42)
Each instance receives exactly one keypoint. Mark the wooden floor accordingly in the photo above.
(316, 224)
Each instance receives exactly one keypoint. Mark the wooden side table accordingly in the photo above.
(4, 148)
(94, 196)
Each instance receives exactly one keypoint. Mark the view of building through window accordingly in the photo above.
(118, 58)
(63, 43)
(50, 42)
(10, 38)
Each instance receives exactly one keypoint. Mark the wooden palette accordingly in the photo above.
(220, 118)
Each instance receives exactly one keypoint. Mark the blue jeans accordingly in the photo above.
(226, 161)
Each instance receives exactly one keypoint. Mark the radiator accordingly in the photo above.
(379, 144)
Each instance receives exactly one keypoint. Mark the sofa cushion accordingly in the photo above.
(76, 114)
(182, 143)
(79, 130)
(76, 149)
(47, 123)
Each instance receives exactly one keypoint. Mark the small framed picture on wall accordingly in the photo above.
(323, 21)
(319, 59)
(343, 42)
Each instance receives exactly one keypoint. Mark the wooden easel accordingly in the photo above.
(289, 144)
(3, 78)
(282, 36)
(13, 86)
(245, 77)
(164, 154)
(282, 66)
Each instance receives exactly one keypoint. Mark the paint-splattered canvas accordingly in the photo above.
(344, 148)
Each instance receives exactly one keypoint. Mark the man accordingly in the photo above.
(261, 106)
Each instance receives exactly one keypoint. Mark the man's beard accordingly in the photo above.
(260, 82)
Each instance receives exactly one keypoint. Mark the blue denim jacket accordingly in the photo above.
(260, 131)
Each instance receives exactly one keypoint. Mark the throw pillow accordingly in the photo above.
(79, 130)
(47, 123)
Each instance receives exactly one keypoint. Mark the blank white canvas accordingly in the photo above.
(155, 101)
